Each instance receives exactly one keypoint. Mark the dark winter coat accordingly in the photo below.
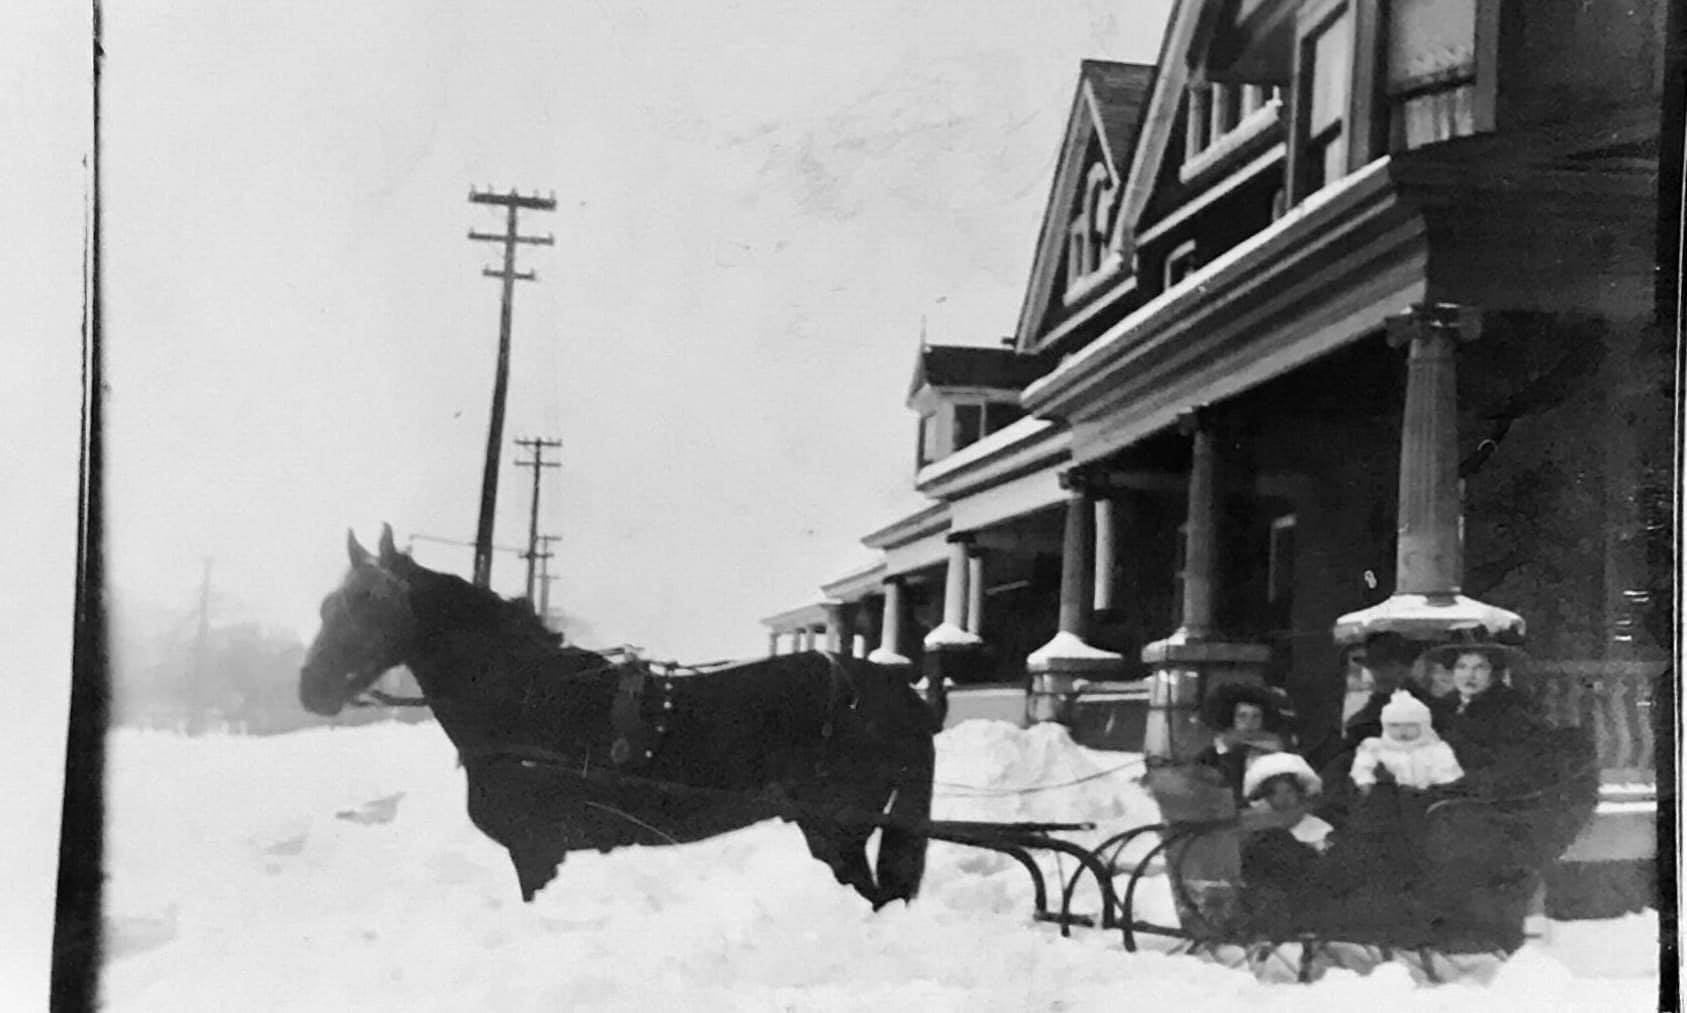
(1231, 765)
(1497, 737)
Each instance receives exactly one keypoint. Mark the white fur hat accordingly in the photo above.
(1406, 709)
(1272, 764)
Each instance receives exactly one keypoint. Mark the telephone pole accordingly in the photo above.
(546, 577)
(197, 718)
(512, 203)
(538, 462)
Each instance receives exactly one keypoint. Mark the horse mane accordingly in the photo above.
(489, 612)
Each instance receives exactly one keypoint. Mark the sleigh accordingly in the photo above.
(1477, 862)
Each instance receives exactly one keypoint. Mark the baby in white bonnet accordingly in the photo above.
(1408, 749)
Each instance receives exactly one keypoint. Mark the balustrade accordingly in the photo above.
(1614, 699)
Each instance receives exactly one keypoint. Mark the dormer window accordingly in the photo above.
(1326, 75)
(929, 448)
(1088, 232)
(1221, 118)
(963, 394)
(969, 424)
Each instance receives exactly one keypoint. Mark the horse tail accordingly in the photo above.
(902, 852)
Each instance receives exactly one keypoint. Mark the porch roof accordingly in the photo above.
(1332, 269)
(801, 617)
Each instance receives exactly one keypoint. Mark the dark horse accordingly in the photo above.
(565, 750)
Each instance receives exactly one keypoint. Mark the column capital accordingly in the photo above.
(1195, 420)
(1081, 479)
(959, 538)
(1460, 322)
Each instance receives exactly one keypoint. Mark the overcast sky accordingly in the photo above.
(757, 202)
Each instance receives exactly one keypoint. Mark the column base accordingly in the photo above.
(1067, 653)
(1186, 670)
(944, 661)
(880, 656)
(1059, 670)
(948, 636)
(1430, 617)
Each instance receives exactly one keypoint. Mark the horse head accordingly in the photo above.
(367, 628)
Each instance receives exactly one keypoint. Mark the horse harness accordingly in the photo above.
(644, 707)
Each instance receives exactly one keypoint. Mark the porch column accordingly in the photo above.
(808, 638)
(889, 651)
(1106, 553)
(1426, 605)
(952, 631)
(1057, 669)
(834, 626)
(975, 591)
(950, 649)
(1195, 658)
(848, 614)
(772, 643)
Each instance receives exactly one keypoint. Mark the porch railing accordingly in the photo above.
(1614, 699)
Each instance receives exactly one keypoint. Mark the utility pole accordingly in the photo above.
(197, 715)
(512, 203)
(538, 462)
(546, 577)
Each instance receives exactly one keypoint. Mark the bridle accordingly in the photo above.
(391, 591)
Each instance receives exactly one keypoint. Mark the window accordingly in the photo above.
(1088, 232)
(928, 451)
(1326, 79)
(1182, 262)
(1226, 109)
(998, 415)
(969, 424)
(1431, 71)
(1098, 201)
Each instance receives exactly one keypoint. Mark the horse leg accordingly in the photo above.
(902, 852)
(534, 869)
(844, 849)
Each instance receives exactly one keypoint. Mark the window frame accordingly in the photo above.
(1480, 77)
(1188, 250)
(1314, 21)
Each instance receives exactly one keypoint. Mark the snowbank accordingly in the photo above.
(336, 869)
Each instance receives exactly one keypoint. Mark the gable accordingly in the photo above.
(1190, 25)
(1077, 225)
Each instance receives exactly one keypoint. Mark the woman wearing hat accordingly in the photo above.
(1247, 721)
(1487, 721)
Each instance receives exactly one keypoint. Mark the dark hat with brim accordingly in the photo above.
(1503, 657)
(1219, 708)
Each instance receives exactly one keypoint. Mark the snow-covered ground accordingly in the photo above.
(337, 870)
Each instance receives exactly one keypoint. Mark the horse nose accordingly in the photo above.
(315, 697)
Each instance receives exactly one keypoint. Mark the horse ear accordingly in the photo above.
(359, 555)
(389, 553)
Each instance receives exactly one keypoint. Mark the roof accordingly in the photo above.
(1120, 91)
(972, 366)
(1108, 105)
